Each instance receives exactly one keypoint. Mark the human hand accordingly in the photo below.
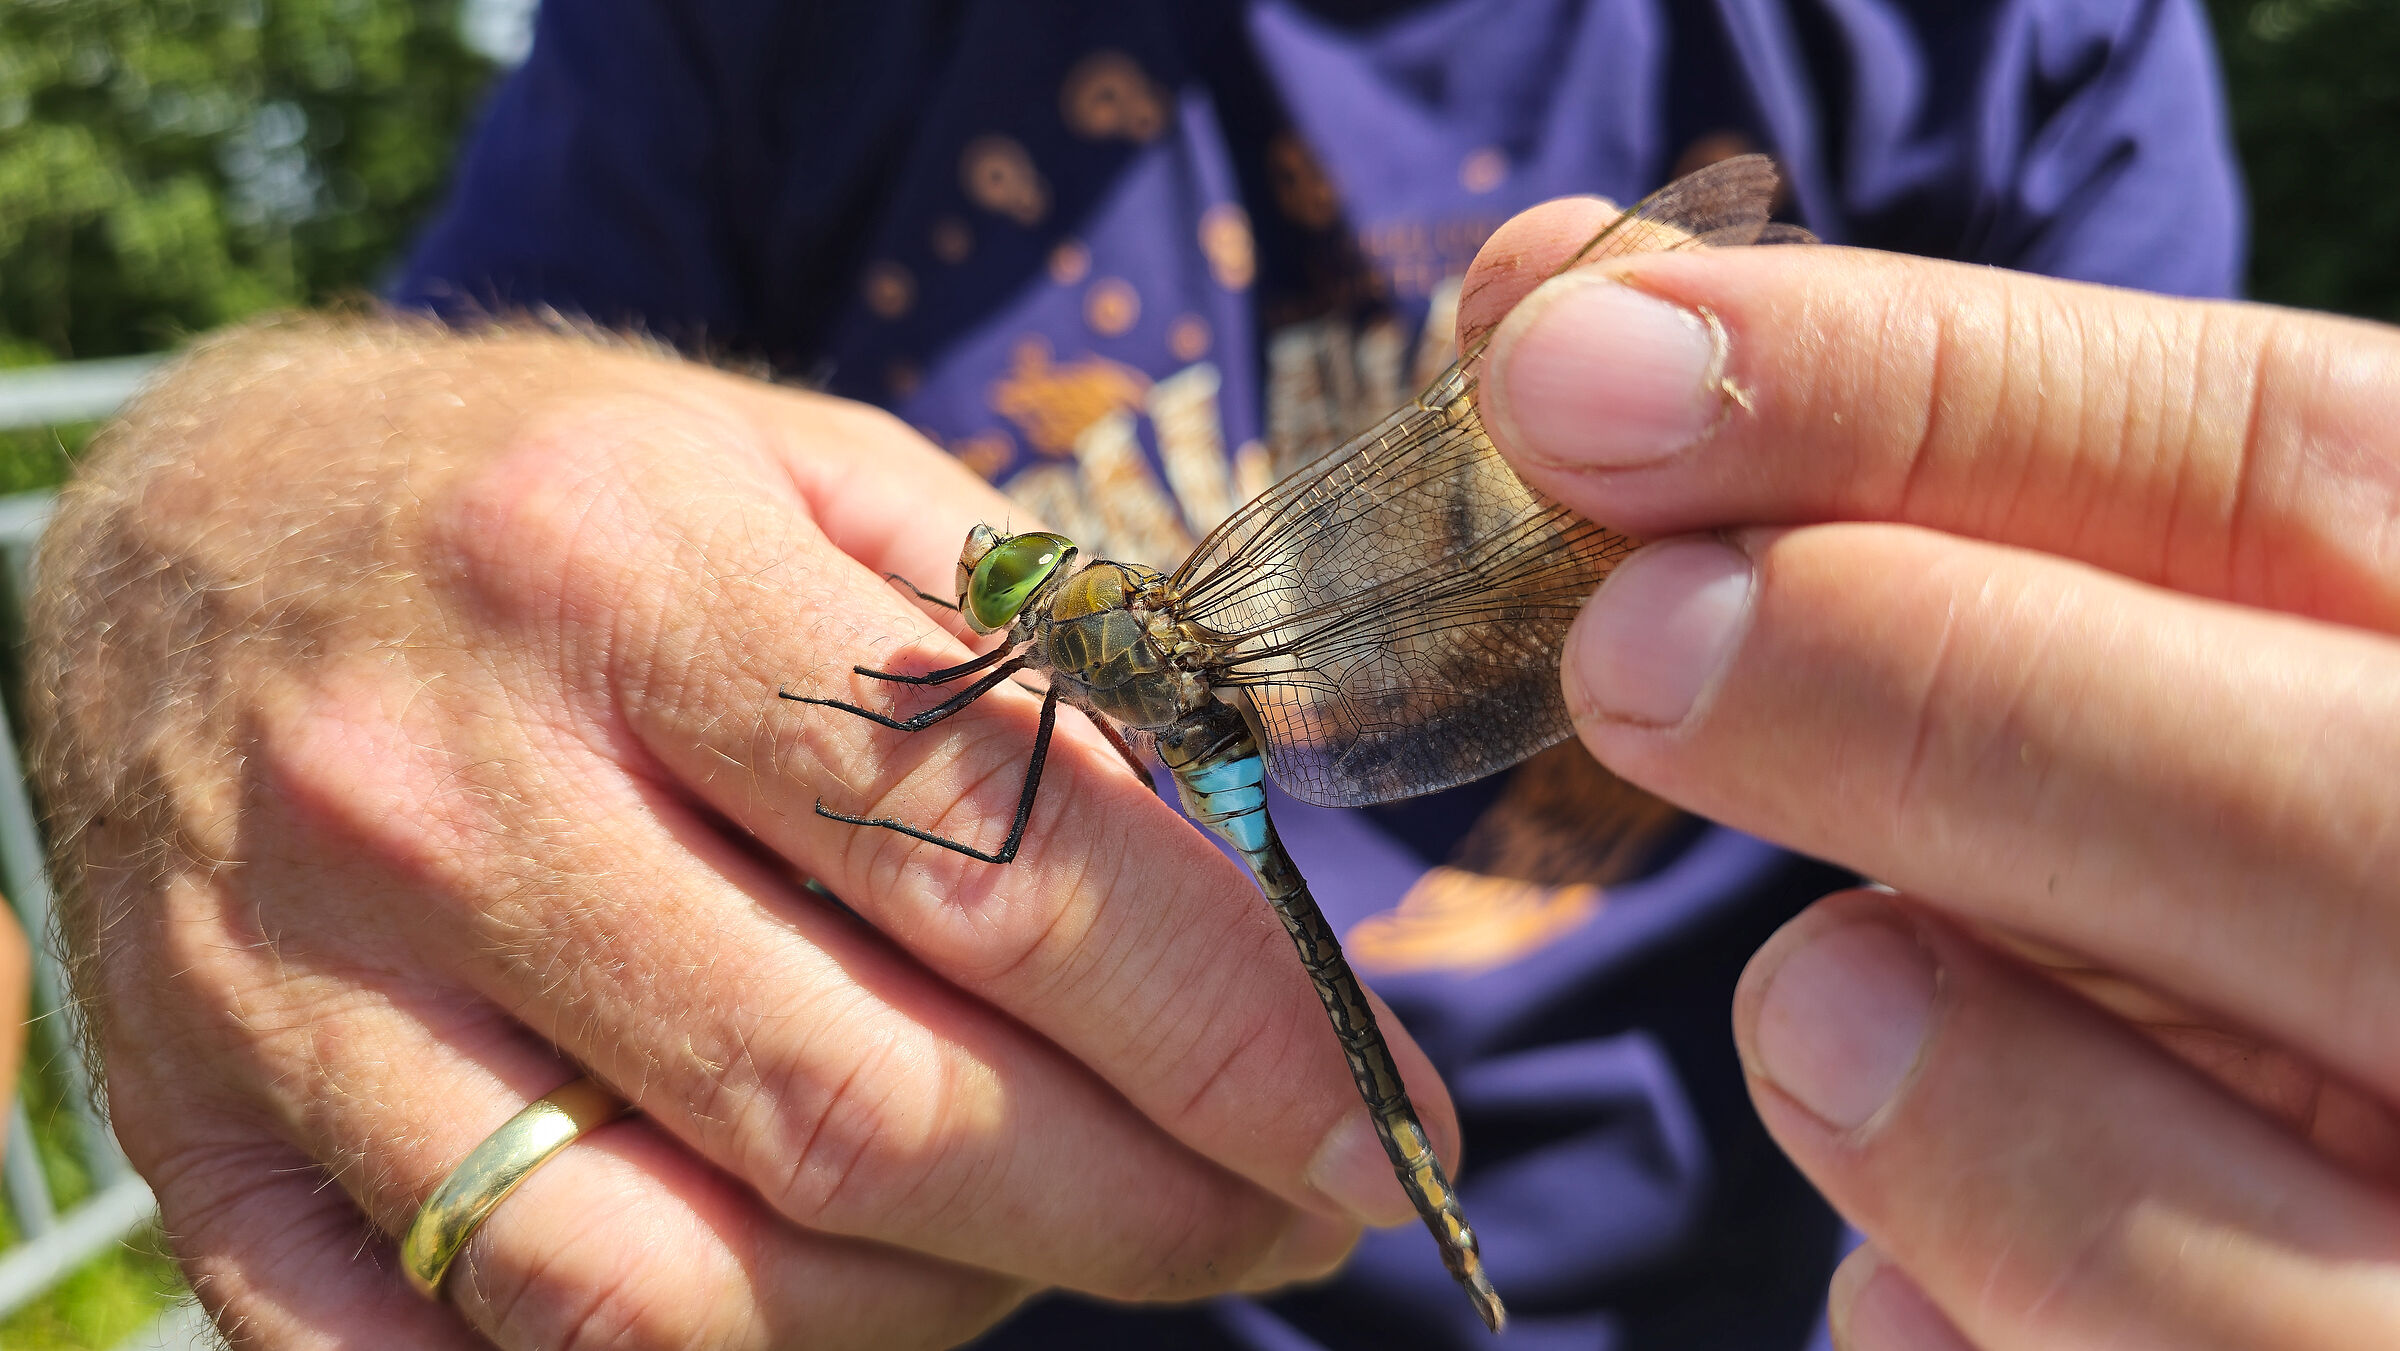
(412, 700)
(2068, 613)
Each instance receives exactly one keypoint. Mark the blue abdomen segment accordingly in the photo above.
(1220, 776)
(1229, 797)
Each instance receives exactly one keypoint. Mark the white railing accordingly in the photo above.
(76, 391)
(52, 1242)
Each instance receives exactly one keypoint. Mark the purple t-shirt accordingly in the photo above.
(1132, 259)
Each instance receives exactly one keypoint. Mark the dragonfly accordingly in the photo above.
(1386, 622)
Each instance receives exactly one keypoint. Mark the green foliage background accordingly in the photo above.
(170, 165)
(2315, 92)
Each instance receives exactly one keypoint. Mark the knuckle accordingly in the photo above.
(578, 488)
(441, 795)
(1225, 1089)
(855, 1135)
(1939, 719)
(526, 517)
(547, 1301)
(1197, 1247)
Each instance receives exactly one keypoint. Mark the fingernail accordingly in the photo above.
(1661, 629)
(1352, 1171)
(1874, 1306)
(1593, 373)
(1843, 1018)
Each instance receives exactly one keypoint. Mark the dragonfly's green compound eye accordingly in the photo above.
(1008, 575)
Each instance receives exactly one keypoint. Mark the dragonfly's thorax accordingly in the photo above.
(1106, 637)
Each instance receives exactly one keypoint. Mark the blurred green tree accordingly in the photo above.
(2315, 92)
(168, 165)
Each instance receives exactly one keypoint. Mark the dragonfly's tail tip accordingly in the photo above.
(1487, 1302)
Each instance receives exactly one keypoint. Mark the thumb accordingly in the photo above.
(2234, 451)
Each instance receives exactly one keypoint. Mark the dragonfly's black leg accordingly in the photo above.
(929, 717)
(1016, 831)
(1124, 748)
(941, 677)
(911, 588)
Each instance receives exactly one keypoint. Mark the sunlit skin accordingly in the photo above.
(2072, 618)
(2014, 584)
(1383, 624)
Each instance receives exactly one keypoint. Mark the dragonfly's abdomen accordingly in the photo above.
(1221, 778)
(1230, 798)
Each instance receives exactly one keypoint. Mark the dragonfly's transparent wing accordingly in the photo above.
(1396, 629)
(1720, 206)
(1394, 612)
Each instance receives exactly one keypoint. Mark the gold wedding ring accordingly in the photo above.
(483, 1179)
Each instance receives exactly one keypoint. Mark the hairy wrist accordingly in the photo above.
(253, 511)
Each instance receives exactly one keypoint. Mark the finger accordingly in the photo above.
(2050, 1179)
(1118, 934)
(623, 1238)
(302, 1064)
(1523, 254)
(276, 1257)
(1874, 1306)
(882, 494)
(2344, 1123)
(2016, 734)
(773, 1035)
(2231, 451)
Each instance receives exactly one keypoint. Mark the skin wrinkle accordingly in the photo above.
(2173, 449)
(2244, 555)
(1172, 1057)
(953, 1182)
(1997, 430)
(1924, 730)
(1066, 956)
(1195, 1011)
(783, 987)
(495, 561)
(1235, 1053)
(938, 1074)
(1933, 429)
(1252, 938)
(2106, 419)
(245, 1180)
(317, 1123)
(2356, 927)
(235, 1174)
(598, 1323)
(498, 1300)
(2015, 411)
(813, 1179)
(2016, 721)
(2312, 478)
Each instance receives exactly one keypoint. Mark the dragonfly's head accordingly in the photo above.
(998, 574)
